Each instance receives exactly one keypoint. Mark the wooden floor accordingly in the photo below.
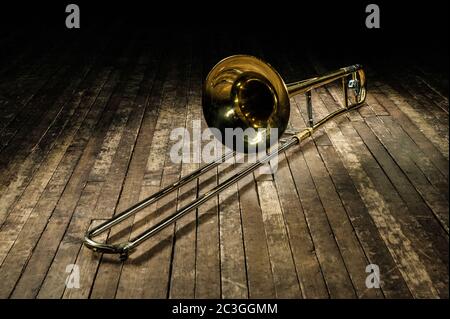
(84, 133)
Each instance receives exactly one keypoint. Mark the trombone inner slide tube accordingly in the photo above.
(240, 91)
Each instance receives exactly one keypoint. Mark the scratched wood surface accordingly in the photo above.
(85, 131)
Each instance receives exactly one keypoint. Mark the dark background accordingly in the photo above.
(417, 29)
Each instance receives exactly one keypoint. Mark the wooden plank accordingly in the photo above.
(416, 135)
(414, 204)
(340, 223)
(25, 207)
(352, 253)
(355, 257)
(419, 239)
(436, 178)
(232, 255)
(53, 286)
(376, 107)
(332, 265)
(393, 285)
(399, 244)
(415, 117)
(49, 93)
(11, 92)
(87, 264)
(283, 269)
(143, 142)
(109, 271)
(407, 178)
(207, 268)
(183, 267)
(114, 182)
(430, 185)
(331, 103)
(388, 212)
(45, 83)
(104, 159)
(420, 87)
(259, 272)
(22, 209)
(25, 82)
(131, 284)
(411, 86)
(133, 278)
(397, 102)
(24, 170)
(37, 266)
(413, 93)
(24, 141)
(116, 163)
(81, 219)
(15, 79)
(57, 225)
(361, 222)
(349, 245)
(333, 268)
(434, 237)
(19, 254)
(11, 157)
(307, 265)
(160, 257)
(433, 92)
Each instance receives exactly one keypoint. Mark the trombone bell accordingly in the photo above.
(242, 92)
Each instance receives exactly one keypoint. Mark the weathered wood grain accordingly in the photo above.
(84, 138)
(31, 194)
(73, 169)
(182, 279)
(385, 209)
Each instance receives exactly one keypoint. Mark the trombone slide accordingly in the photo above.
(357, 83)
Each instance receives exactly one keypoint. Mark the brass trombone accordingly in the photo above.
(240, 91)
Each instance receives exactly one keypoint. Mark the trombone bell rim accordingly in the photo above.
(227, 101)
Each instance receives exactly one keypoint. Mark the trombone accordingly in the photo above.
(241, 91)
